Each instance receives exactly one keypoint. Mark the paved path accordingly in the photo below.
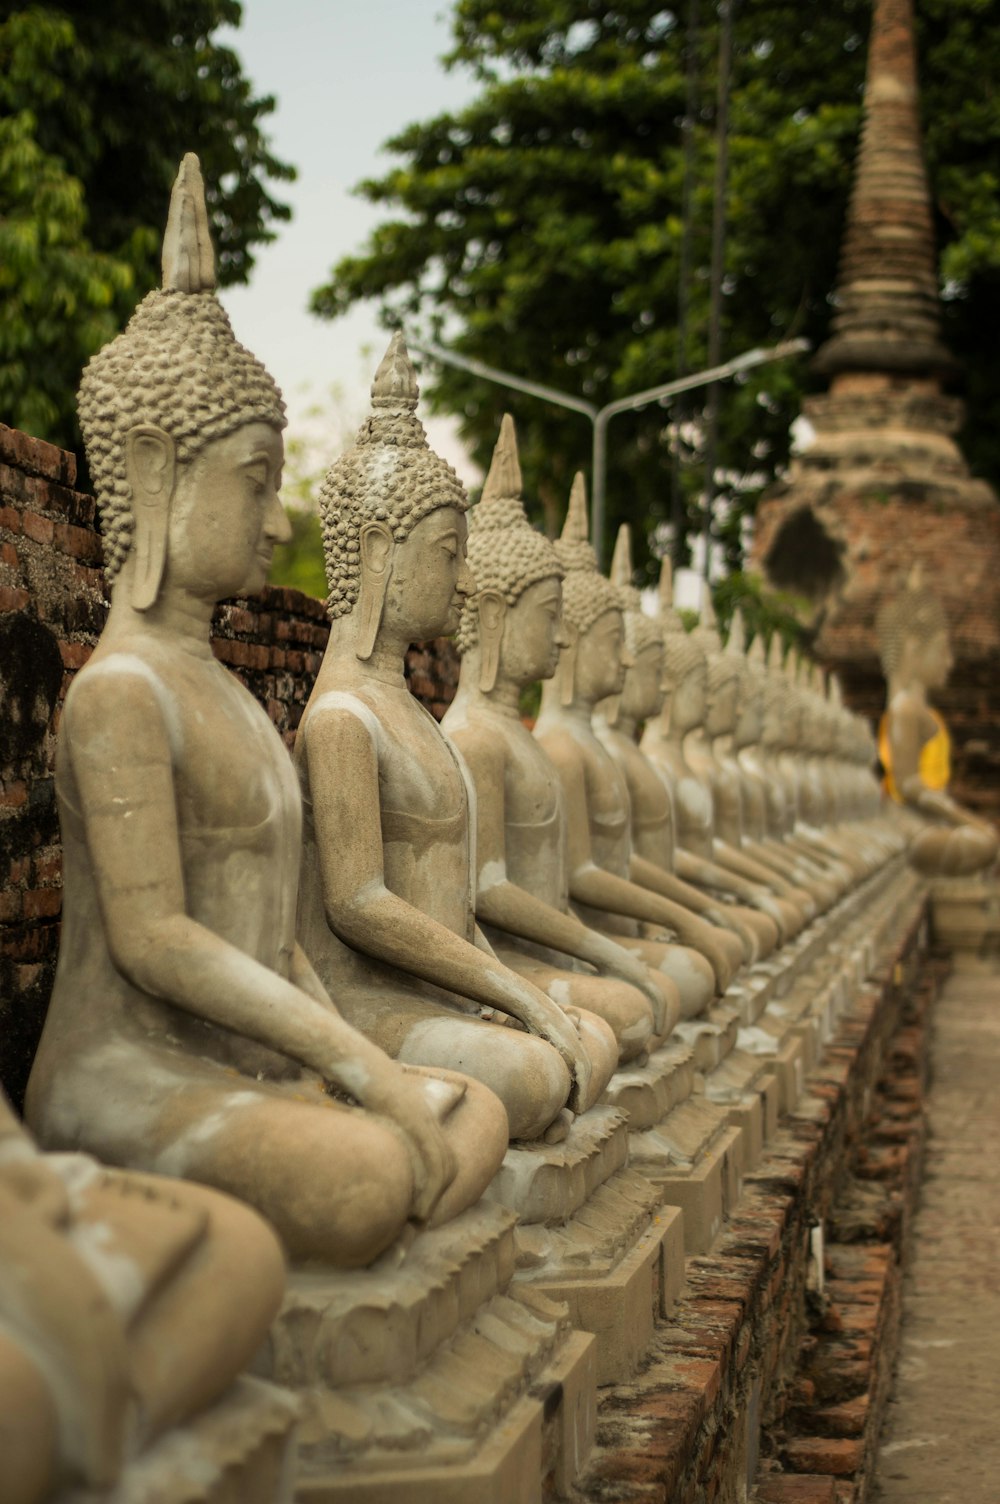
(942, 1439)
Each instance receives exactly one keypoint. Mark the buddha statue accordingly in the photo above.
(665, 739)
(697, 921)
(592, 665)
(805, 864)
(128, 1303)
(509, 637)
(388, 907)
(914, 745)
(187, 1033)
(722, 783)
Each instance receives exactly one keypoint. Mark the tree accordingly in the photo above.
(540, 227)
(98, 103)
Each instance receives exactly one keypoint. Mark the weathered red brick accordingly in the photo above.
(39, 529)
(793, 1488)
(75, 654)
(13, 598)
(42, 903)
(79, 542)
(838, 1456)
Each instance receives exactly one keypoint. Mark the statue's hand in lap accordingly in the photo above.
(417, 1104)
(561, 1027)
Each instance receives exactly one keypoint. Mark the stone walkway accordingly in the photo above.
(941, 1443)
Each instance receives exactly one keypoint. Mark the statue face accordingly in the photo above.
(430, 577)
(749, 717)
(720, 716)
(688, 701)
(533, 633)
(601, 658)
(643, 694)
(936, 661)
(225, 517)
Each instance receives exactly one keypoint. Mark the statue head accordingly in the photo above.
(592, 665)
(514, 616)
(776, 697)
(913, 638)
(174, 384)
(750, 671)
(723, 670)
(375, 501)
(642, 693)
(685, 667)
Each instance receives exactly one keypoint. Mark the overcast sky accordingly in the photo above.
(347, 75)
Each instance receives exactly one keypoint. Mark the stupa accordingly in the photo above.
(882, 482)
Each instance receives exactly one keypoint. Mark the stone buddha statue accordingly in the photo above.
(592, 666)
(187, 1033)
(720, 778)
(697, 921)
(665, 739)
(914, 745)
(128, 1303)
(509, 637)
(388, 905)
(804, 864)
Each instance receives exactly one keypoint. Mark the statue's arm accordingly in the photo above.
(588, 882)
(342, 763)
(120, 753)
(499, 901)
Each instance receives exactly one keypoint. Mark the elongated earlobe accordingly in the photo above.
(376, 545)
(492, 609)
(612, 708)
(566, 672)
(150, 464)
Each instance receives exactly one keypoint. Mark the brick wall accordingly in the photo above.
(52, 609)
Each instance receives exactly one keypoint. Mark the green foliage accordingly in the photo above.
(98, 103)
(764, 611)
(57, 294)
(299, 563)
(539, 228)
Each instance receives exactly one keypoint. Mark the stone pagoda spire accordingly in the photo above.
(888, 318)
(880, 482)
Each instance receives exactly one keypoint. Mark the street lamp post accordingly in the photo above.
(600, 417)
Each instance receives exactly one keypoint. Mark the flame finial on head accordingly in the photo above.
(621, 559)
(504, 483)
(641, 631)
(736, 645)
(576, 528)
(188, 260)
(587, 594)
(506, 554)
(394, 384)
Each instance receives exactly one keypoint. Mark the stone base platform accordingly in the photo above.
(590, 1233)
(242, 1449)
(428, 1377)
(682, 1143)
(693, 1425)
(965, 921)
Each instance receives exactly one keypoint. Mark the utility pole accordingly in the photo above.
(691, 49)
(718, 264)
(600, 417)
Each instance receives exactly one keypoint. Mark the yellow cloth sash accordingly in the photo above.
(935, 758)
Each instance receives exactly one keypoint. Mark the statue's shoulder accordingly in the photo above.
(116, 687)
